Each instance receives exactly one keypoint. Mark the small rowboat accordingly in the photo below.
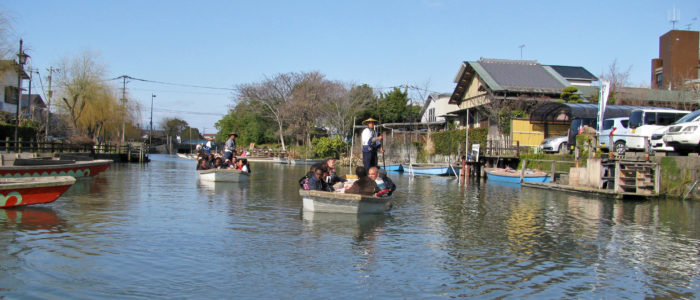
(50, 167)
(187, 156)
(32, 190)
(513, 176)
(223, 175)
(332, 202)
(435, 170)
(395, 168)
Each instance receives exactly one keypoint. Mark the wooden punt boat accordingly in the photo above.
(319, 201)
(32, 190)
(53, 167)
(223, 175)
(513, 176)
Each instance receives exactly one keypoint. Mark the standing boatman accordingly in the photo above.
(371, 142)
(230, 146)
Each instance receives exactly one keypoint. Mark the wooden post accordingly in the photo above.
(517, 149)
(7, 144)
(522, 172)
(19, 146)
(617, 177)
(554, 169)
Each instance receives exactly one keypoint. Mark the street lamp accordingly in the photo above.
(150, 134)
(21, 60)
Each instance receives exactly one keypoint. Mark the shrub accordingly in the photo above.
(448, 142)
(328, 147)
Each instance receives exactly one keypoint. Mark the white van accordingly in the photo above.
(645, 122)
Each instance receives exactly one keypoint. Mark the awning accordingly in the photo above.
(563, 112)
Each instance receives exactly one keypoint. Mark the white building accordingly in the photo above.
(436, 107)
(8, 86)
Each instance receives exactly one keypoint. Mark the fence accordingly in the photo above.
(59, 147)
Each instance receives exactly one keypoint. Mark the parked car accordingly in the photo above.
(684, 135)
(554, 144)
(643, 123)
(621, 127)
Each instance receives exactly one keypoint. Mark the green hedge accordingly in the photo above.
(448, 142)
(25, 133)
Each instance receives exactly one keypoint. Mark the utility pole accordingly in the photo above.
(123, 77)
(29, 95)
(150, 134)
(48, 109)
(21, 60)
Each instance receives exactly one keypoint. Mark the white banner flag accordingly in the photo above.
(602, 102)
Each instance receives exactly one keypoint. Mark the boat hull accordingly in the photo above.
(514, 177)
(223, 175)
(435, 171)
(319, 201)
(393, 168)
(32, 190)
(77, 169)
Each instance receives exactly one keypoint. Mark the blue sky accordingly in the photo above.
(382, 43)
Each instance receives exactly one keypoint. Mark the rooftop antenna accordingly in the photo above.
(674, 16)
(521, 51)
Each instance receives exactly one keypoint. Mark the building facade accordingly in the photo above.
(678, 61)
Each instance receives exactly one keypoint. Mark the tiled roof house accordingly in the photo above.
(488, 83)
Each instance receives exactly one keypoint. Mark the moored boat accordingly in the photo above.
(436, 170)
(187, 155)
(394, 168)
(223, 175)
(51, 167)
(513, 176)
(332, 202)
(32, 190)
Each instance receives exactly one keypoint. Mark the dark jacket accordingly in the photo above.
(363, 186)
(317, 184)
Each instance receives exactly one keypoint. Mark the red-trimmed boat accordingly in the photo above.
(32, 190)
(52, 167)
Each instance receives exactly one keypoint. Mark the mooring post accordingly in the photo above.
(554, 169)
(522, 172)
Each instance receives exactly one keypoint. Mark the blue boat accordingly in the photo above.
(393, 168)
(434, 170)
(513, 176)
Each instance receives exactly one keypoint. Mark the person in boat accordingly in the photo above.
(304, 181)
(371, 143)
(243, 165)
(230, 146)
(203, 164)
(385, 186)
(219, 163)
(332, 178)
(316, 180)
(364, 185)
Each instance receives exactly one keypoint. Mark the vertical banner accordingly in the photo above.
(602, 102)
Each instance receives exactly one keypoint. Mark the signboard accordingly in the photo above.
(475, 152)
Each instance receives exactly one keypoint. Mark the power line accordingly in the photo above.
(174, 84)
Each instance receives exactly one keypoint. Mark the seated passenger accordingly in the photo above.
(332, 179)
(244, 167)
(203, 165)
(304, 181)
(385, 186)
(364, 185)
(316, 181)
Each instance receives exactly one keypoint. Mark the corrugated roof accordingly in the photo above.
(518, 75)
(572, 72)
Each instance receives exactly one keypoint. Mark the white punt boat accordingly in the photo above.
(319, 201)
(223, 175)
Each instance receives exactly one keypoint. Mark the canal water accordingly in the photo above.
(155, 231)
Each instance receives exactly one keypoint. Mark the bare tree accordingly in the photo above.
(274, 94)
(616, 77)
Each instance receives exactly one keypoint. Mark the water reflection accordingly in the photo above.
(362, 227)
(30, 218)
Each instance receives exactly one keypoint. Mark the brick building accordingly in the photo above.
(679, 59)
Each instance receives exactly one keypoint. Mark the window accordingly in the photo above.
(650, 118)
(659, 80)
(11, 94)
(668, 118)
(431, 115)
(608, 124)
